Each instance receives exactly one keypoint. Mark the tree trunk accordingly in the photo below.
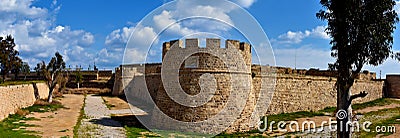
(78, 85)
(4, 78)
(16, 76)
(36, 91)
(50, 97)
(344, 114)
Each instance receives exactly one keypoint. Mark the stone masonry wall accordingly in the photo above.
(231, 71)
(19, 96)
(309, 92)
(295, 90)
(312, 93)
(393, 86)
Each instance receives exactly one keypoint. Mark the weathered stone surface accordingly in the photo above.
(19, 96)
(312, 93)
(393, 86)
(295, 90)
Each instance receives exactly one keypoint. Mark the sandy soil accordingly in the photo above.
(117, 103)
(61, 122)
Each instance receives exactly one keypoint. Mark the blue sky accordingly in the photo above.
(89, 31)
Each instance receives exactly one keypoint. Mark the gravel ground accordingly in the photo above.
(97, 121)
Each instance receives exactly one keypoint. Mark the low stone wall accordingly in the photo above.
(100, 85)
(19, 96)
(105, 73)
(313, 93)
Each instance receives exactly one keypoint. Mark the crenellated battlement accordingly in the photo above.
(211, 43)
(234, 50)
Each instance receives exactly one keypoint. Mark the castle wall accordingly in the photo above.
(293, 93)
(393, 86)
(312, 93)
(295, 90)
(118, 88)
(19, 96)
(105, 73)
(138, 80)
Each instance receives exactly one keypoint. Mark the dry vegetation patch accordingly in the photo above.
(86, 91)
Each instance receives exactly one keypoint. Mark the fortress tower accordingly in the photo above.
(223, 73)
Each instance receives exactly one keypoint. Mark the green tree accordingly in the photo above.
(9, 59)
(25, 69)
(16, 68)
(361, 32)
(53, 73)
(38, 69)
(78, 77)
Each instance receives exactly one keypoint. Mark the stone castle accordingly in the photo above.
(228, 74)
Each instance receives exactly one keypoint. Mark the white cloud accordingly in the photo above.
(293, 37)
(21, 7)
(110, 57)
(297, 37)
(165, 19)
(244, 3)
(36, 37)
(212, 11)
(144, 35)
(62, 39)
(192, 8)
(397, 7)
(215, 13)
(119, 37)
(319, 32)
(116, 42)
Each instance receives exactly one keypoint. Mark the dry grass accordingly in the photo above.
(41, 106)
(86, 91)
(43, 102)
(57, 94)
(7, 83)
(22, 112)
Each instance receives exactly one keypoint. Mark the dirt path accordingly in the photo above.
(61, 122)
(376, 108)
(97, 121)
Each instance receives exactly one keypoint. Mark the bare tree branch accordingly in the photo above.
(359, 95)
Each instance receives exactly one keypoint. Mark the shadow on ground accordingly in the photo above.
(106, 122)
(129, 121)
